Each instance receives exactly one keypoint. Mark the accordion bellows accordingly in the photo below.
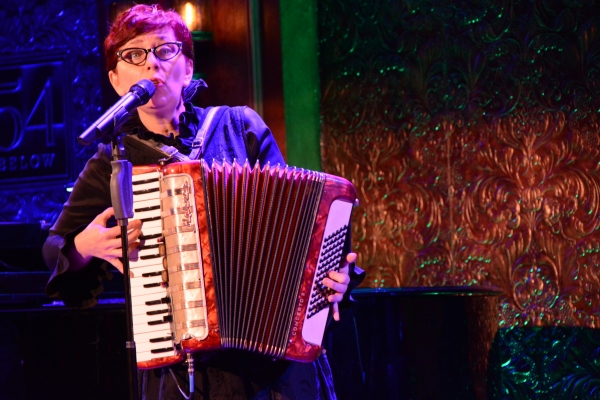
(232, 256)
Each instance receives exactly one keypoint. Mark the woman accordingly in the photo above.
(149, 43)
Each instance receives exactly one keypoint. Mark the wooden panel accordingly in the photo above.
(272, 74)
(226, 60)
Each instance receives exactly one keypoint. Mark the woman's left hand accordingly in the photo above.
(338, 281)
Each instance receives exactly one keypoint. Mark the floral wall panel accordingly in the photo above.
(470, 130)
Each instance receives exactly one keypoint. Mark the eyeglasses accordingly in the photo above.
(137, 56)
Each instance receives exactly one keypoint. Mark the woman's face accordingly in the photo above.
(169, 77)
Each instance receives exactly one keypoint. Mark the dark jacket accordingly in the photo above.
(236, 133)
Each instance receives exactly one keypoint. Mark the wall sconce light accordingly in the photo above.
(196, 15)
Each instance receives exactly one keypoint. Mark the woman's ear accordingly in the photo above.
(189, 72)
(116, 83)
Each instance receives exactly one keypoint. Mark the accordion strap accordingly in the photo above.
(198, 143)
(162, 150)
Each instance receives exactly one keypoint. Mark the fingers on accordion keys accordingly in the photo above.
(164, 274)
(162, 251)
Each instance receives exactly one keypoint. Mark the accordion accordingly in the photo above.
(233, 256)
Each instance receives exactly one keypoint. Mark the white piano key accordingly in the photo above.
(147, 251)
(148, 225)
(145, 176)
(139, 306)
(134, 263)
(147, 346)
(146, 337)
(139, 282)
(151, 228)
(147, 269)
(145, 309)
(148, 247)
(158, 330)
(149, 236)
(144, 181)
(149, 208)
(153, 205)
(142, 323)
(147, 356)
(146, 196)
(140, 290)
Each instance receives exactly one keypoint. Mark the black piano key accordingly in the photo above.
(148, 237)
(163, 350)
(161, 339)
(151, 285)
(156, 312)
(158, 322)
(156, 218)
(145, 191)
(156, 207)
(143, 181)
(151, 274)
(164, 300)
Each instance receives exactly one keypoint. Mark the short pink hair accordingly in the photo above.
(141, 19)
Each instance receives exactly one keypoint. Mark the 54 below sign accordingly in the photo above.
(33, 122)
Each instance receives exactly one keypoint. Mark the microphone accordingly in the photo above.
(138, 95)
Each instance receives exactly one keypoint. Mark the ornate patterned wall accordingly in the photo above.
(48, 110)
(471, 130)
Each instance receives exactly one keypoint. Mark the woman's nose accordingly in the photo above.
(152, 61)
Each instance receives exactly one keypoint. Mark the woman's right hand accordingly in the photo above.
(96, 240)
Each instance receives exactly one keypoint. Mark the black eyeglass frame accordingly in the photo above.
(153, 51)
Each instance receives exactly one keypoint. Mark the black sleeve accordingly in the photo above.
(90, 197)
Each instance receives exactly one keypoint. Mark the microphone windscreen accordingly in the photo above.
(144, 89)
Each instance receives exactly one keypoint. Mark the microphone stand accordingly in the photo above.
(121, 193)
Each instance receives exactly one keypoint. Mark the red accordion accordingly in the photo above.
(233, 256)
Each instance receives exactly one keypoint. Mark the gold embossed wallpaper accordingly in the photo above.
(471, 130)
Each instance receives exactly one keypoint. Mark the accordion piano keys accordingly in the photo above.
(150, 304)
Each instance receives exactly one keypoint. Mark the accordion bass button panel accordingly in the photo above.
(334, 236)
(183, 257)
